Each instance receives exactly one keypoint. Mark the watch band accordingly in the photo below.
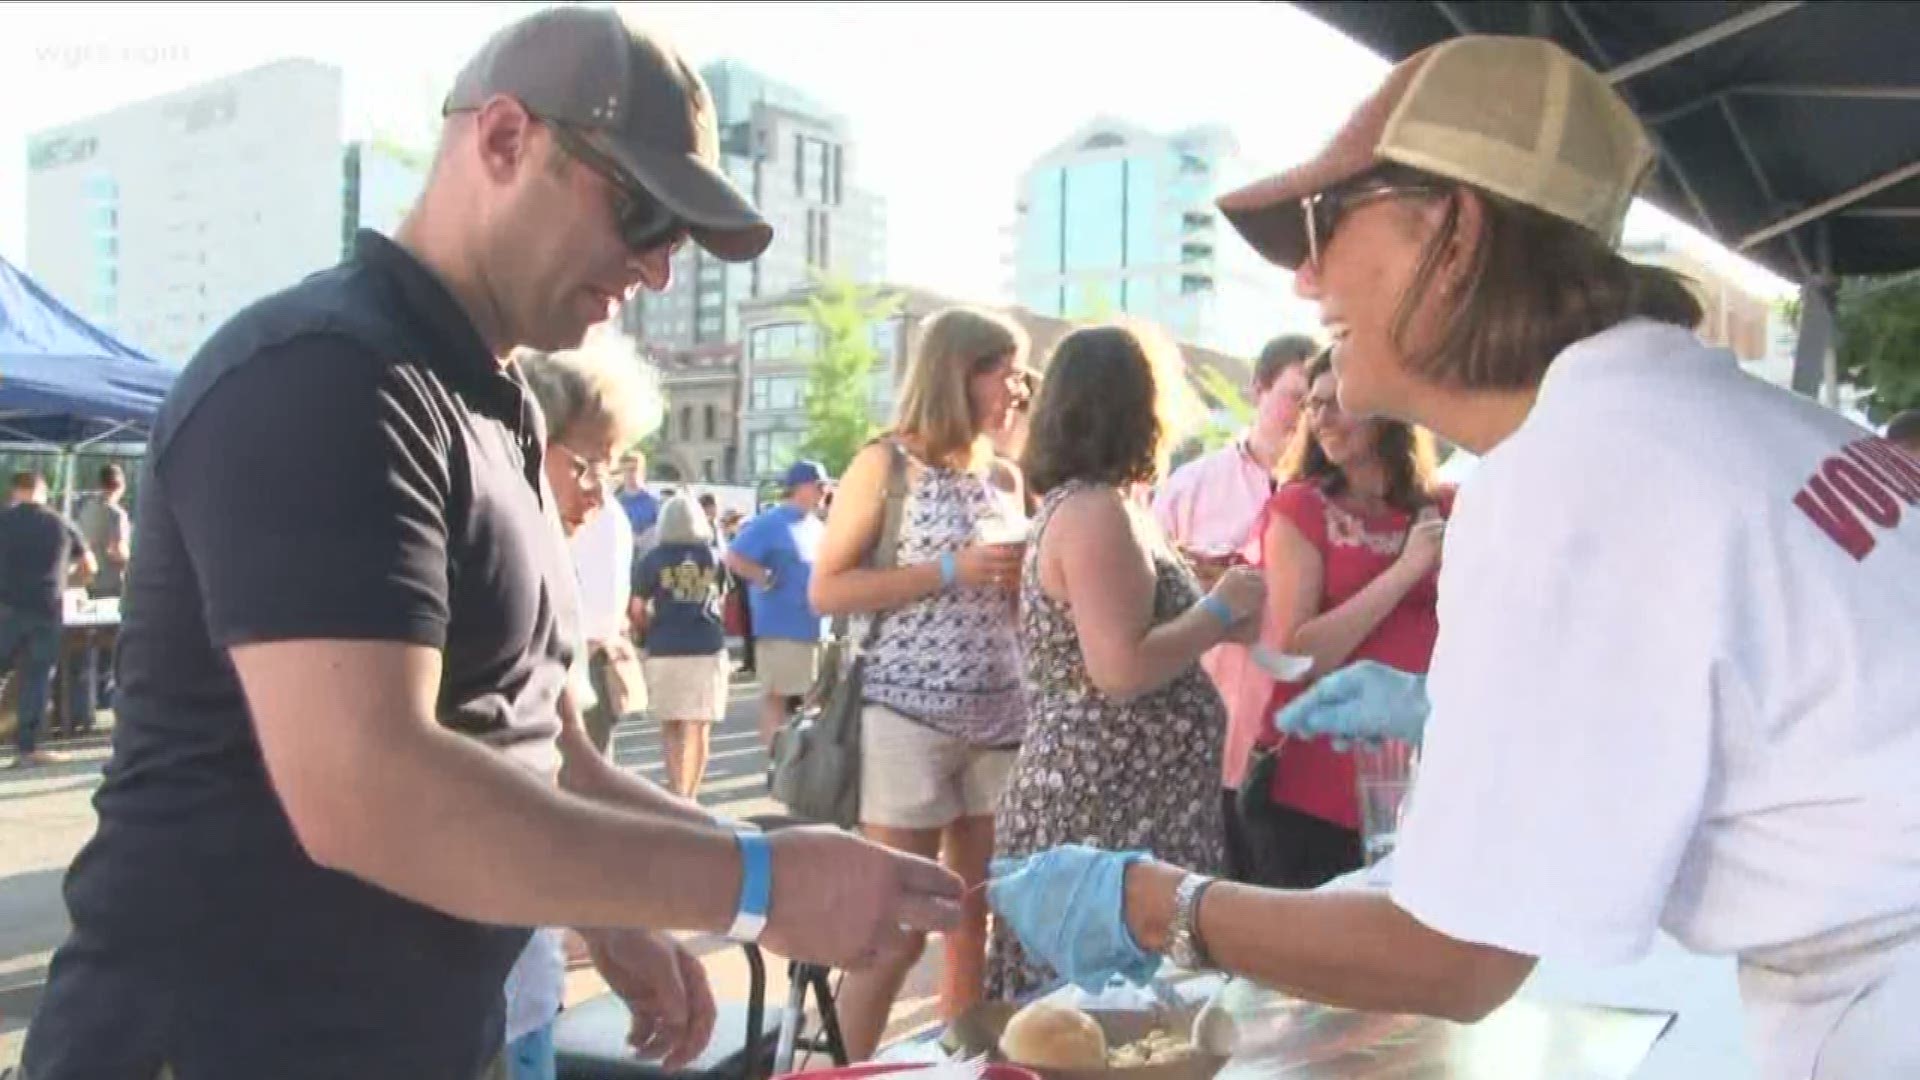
(756, 884)
(1184, 945)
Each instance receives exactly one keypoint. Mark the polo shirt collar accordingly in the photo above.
(456, 348)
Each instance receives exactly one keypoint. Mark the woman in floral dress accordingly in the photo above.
(1124, 727)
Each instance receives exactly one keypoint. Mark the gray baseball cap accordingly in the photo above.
(638, 103)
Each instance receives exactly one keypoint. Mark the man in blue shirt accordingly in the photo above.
(642, 507)
(774, 555)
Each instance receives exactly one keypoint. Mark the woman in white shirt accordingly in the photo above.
(1675, 684)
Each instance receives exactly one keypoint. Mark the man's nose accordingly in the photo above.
(655, 267)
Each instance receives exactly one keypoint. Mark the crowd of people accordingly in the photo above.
(354, 809)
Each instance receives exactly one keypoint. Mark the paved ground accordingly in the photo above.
(46, 814)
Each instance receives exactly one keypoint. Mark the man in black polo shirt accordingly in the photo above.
(39, 549)
(332, 810)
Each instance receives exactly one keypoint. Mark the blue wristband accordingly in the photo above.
(949, 570)
(756, 884)
(1217, 608)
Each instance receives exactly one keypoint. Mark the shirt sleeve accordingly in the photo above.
(754, 540)
(1574, 690)
(1305, 508)
(310, 488)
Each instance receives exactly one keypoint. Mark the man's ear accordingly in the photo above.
(503, 138)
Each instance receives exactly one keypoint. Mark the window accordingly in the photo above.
(778, 342)
(884, 335)
(815, 162)
(779, 393)
(686, 422)
(709, 430)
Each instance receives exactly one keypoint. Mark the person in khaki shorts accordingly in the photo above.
(944, 713)
(774, 555)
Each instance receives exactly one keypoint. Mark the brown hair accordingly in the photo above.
(934, 410)
(1534, 284)
(1405, 452)
(1107, 410)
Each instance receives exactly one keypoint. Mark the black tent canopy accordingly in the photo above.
(1787, 131)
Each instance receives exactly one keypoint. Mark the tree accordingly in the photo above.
(840, 369)
(1232, 412)
(1878, 325)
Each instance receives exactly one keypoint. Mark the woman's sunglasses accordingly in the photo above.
(1324, 211)
(645, 223)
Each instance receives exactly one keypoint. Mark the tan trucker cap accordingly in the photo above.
(637, 101)
(1518, 116)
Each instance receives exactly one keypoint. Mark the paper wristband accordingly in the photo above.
(756, 885)
(1217, 608)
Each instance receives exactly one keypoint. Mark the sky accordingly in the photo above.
(948, 102)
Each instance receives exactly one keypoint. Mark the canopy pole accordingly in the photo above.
(1812, 351)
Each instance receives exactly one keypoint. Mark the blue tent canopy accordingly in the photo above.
(64, 381)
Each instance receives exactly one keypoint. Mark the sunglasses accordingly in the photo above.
(645, 223)
(1323, 212)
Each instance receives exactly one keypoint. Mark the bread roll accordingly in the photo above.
(1047, 1035)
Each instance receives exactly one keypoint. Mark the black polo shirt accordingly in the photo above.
(342, 460)
(37, 544)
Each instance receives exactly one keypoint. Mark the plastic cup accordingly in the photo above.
(1384, 775)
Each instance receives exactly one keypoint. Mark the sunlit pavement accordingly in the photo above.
(47, 813)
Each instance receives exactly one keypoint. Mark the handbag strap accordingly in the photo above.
(884, 554)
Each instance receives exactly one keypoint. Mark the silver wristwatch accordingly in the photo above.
(1183, 937)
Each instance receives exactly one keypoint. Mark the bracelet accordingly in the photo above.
(756, 884)
(1217, 608)
(949, 570)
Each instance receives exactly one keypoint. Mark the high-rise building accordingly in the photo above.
(161, 219)
(794, 159)
(1119, 220)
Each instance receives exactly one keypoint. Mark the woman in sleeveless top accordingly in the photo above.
(943, 711)
(1125, 728)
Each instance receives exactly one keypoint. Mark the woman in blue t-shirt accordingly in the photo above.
(679, 584)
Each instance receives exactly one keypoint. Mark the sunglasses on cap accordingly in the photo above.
(1324, 211)
(645, 222)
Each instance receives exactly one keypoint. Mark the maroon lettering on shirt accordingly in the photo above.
(1899, 470)
(1863, 485)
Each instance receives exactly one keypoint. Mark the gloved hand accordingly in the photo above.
(1067, 905)
(1362, 701)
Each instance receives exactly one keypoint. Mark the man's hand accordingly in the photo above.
(845, 902)
(664, 987)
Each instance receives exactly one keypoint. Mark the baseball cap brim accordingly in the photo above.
(1267, 213)
(720, 219)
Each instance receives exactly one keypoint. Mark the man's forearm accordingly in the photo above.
(1354, 949)
(454, 825)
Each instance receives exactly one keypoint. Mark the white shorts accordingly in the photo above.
(786, 667)
(688, 687)
(913, 777)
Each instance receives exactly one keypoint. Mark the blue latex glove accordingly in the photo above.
(1067, 905)
(1364, 701)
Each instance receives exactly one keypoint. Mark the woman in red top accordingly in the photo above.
(1350, 545)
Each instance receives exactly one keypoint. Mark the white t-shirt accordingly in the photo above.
(1677, 683)
(603, 564)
